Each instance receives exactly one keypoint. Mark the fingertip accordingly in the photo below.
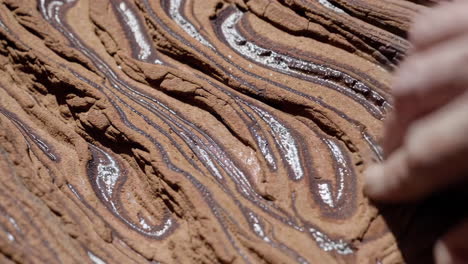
(441, 253)
(452, 248)
(374, 186)
(409, 78)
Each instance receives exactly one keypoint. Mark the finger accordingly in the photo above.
(452, 248)
(425, 82)
(393, 133)
(396, 125)
(432, 157)
(431, 76)
(439, 24)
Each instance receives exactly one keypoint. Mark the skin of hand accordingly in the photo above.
(426, 137)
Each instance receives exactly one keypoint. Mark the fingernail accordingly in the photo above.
(374, 181)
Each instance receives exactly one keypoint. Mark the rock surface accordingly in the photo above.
(194, 131)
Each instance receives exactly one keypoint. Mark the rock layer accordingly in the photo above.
(194, 131)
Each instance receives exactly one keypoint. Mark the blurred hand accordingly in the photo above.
(426, 137)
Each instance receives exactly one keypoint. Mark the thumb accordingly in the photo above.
(452, 248)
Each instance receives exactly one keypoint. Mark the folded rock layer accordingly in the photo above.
(194, 131)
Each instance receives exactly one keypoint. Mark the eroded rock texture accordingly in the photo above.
(194, 131)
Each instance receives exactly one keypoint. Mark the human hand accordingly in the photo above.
(426, 137)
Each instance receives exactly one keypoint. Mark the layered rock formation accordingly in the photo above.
(194, 131)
